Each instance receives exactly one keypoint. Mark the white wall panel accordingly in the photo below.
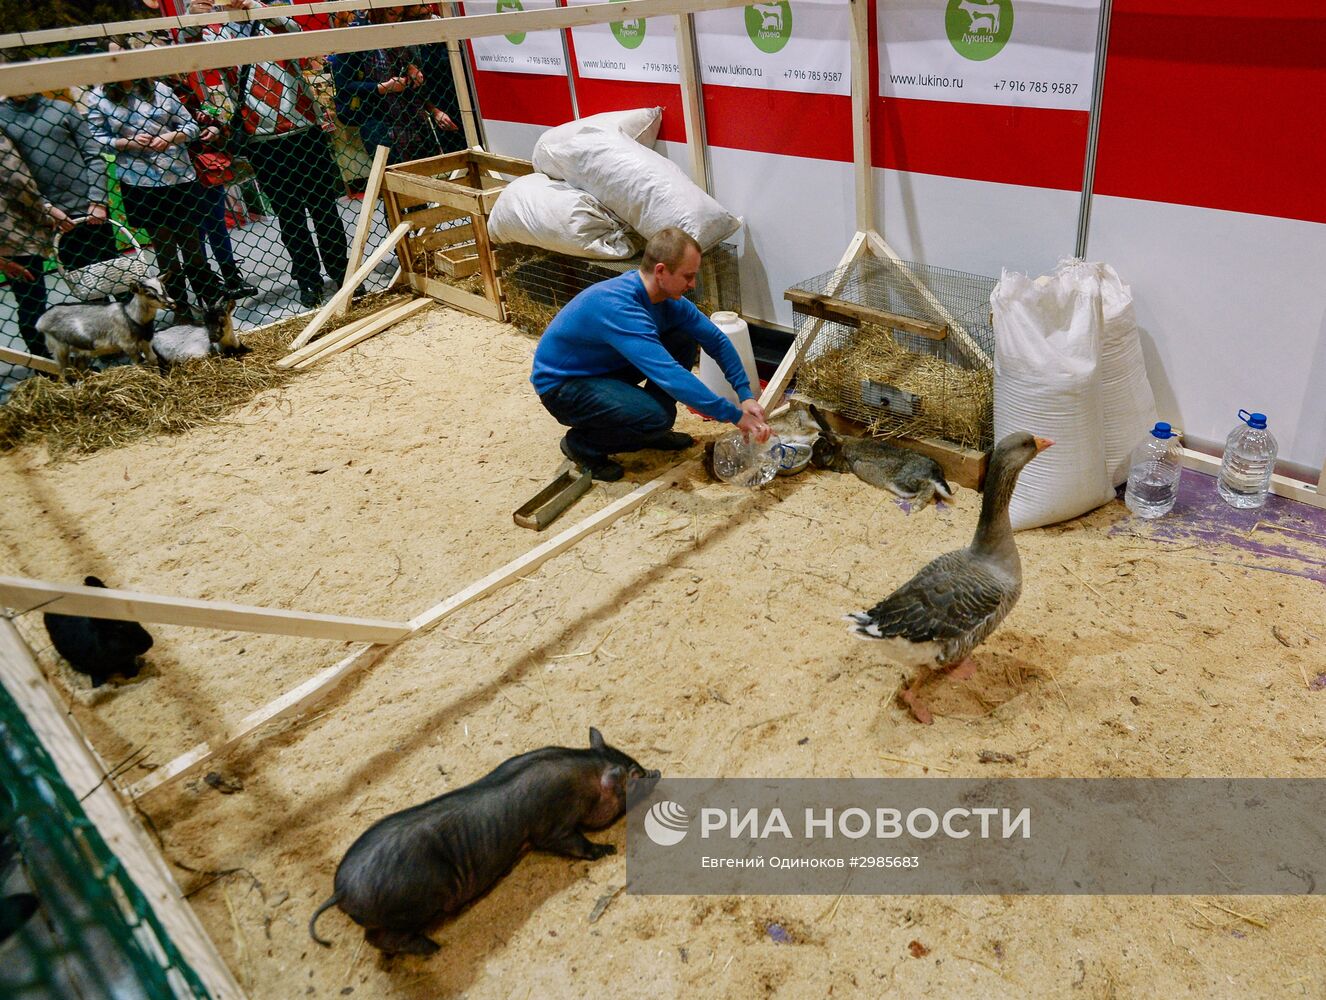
(799, 219)
(975, 226)
(512, 138)
(1233, 314)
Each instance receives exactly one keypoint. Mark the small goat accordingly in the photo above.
(112, 328)
(216, 336)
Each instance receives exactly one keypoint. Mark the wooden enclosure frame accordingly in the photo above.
(422, 193)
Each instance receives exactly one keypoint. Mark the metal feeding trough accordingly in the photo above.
(546, 506)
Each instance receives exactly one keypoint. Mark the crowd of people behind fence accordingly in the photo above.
(184, 149)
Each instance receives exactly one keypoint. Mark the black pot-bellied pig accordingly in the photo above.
(410, 870)
(98, 647)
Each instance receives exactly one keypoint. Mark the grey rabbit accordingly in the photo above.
(910, 475)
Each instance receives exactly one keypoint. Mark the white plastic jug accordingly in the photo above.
(712, 375)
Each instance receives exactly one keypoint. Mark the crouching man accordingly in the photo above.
(632, 329)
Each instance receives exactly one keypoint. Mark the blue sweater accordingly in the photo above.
(613, 324)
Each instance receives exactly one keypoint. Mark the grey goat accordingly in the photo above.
(216, 336)
(111, 328)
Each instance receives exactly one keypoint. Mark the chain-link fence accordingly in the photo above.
(72, 923)
(239, 184)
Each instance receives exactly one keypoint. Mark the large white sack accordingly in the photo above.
(1125, 393)
(640, 124)
(539, 211)
(647, 190)
(1047, 381)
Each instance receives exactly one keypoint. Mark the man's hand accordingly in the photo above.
(11, 269)
(395, 85)
(443, 120)
(209, 134)
(415, 75)
(159, 143)
(752, 422)
(60, 219)
(96, 213)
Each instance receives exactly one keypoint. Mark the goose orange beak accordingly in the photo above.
(1042, 443)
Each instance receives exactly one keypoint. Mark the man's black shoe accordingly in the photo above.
(671, 441)
(310, 297)
(605, 470)
(239, 290)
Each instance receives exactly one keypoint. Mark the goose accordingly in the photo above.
(935, 619)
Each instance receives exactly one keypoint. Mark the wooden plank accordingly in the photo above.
(449, 237)
(425, 218)
(34, 361)
(311, 348)
(503, 164)
(1321, 481)
(487, 266)
(23, 594)
(489, 198)
(692, 107)
(157, 61)
(461, 83)
(773, 392)
(457, 297)
(854, 314)
(431, 166)
(372, 191)
(293, 702)
(1281, 486)
(863, 165)
(370, 330)
(956, 329)
(86, 775)
(350, 329)
(347, 290)
(448, 194)
(557, 544)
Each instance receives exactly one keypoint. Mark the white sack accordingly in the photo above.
(541, 212)
(640, 124)
(1047, 381)
(1125, 393)
(647, 190)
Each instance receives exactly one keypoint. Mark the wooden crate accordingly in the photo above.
(436, 192)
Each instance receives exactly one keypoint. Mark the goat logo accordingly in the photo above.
(769, 25)
(979, 29)
(507, 7)
(630, 34)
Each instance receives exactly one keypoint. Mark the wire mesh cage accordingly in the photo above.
(904, 348)
(72, 923)
(537, 283)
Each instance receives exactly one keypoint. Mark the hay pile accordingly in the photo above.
(127, 402)
(956, 404)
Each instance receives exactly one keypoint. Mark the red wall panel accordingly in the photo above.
(1216, 107)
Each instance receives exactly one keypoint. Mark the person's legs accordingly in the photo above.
(322, 191)
(278, 174)
(608, 415)
(30, 297)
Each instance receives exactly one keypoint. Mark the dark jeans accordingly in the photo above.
(298, 174)
(172, 214)
(216, 233)
(83, 245)
(611, 413)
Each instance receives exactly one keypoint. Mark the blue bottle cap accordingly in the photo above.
(1257, 421)
(1162, 430)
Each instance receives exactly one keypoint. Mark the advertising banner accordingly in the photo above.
(521, 52)
(799, 45)
(637, 49)
(1006, 52)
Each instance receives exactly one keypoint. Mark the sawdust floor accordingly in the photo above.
(702, 635)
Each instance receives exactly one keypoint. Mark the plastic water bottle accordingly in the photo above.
(1153, 477)
(1245, 472)
(747, 463)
